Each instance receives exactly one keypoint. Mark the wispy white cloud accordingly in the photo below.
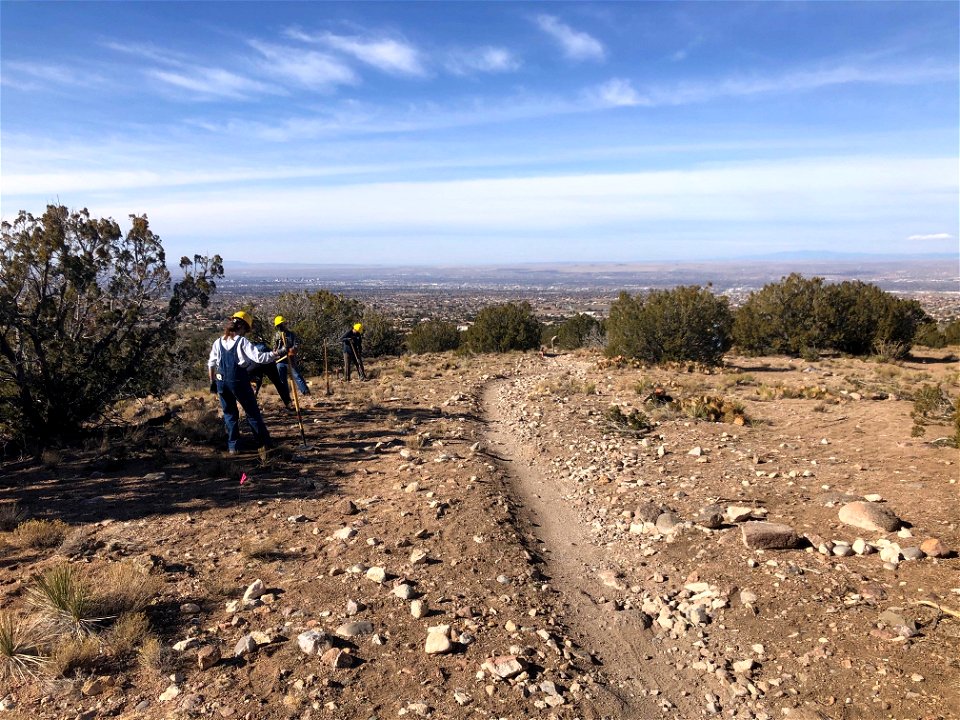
(931, 237)
(616, 92)
(387, 54)
(307, 68)
(212, 83)
(576, 44)
(36, 76)
(485, 60)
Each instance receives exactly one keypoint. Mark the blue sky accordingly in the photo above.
(459, 133)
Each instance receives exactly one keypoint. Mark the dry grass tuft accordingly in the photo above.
(261, 549)
(128, 634)
(74, 655)
(155, 658)
(41, 534)
(125, 588)
(20, 643)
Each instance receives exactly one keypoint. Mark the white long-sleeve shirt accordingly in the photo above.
(247, 354)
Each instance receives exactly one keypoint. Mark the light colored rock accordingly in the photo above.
(503, 667)
(696, 451)
(611, 579)
(169, 694)
(759, 535)
(253, 592)
(184, 645)
(377, 574)
(353, 629)
(418, 608)
(313, 642)
(869, 516)
(189, 609)
(862, 547)
(244, 646)
(337, 658)
(438, 640)
(911, 553)
(418, 557)
(743, 667)
(344, 533)
(668, 521)
(841, 549)
(403, 591)
(890, 553)
(95, 686)
(738, 513)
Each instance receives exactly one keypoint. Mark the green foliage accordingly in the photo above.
(931, 335)
(801, 317)
(20, 643)
(65, 597)
(433, 336)
(579, 331)
(380, 335)
(684, 323)
(930, 403)
(87, 315)
(505, 327)
(634, 421)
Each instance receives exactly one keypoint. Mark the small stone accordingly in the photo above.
(890, 553)
(94, 686)
(244, 646)
(911, 553)
(418, 557)
(254, 591)
(344, 533)
(759, 535)
(189, 609)
(353, 607)
(169, 694)
(208, 656)
(668, 521)
(743, 667)
(738, 513)
(353, 629)
(261, 638)
(346, 507)
(710, 517)
(862, 547)
(869, 516)
(312, 642)
(934, 548)
(461, 697)
(842, 550)
(377, 574)
(611, 579)
(337, 658)
(184, 645)
(503, 667)
(696, 451)
(698, 615)
(403, 591)
(438, 640)
(418, 608)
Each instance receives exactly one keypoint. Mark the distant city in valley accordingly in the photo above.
(557, 290)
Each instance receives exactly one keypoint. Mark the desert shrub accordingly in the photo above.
(261, 548)
(713, 409)
(929, 335)
(11, 515)
(784, 318)
(41, 534)
(21, 640)
(579, 331)
(380, 335)
(634, 421)
(682, 324)
(433, 336)
(87, 314)
(156, 658)
(63, 595)
(505, 327)
(951, 332)
(801, 317)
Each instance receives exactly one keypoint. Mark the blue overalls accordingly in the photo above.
(233, 386)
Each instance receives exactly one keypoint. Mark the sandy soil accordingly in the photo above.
(533, 513)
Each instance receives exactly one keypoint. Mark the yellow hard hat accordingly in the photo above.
(278, 320)
(358, 327)
(245, 316)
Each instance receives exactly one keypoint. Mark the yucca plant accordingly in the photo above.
(62, 594)
(20, 643)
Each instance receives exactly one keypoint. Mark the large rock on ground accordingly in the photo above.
(769, 536)
(869, 516)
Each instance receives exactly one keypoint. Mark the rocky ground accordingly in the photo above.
(484, 538)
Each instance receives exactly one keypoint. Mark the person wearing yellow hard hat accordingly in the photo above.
(286, 338)
(353, 351)
(231, 360)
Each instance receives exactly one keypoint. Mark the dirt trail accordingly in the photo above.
(643, 681)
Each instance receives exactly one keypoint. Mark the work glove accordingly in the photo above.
(291, 352)
(213, 386)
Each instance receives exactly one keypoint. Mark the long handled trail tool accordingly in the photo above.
(360, 371)
(296, 395)
(326, 370)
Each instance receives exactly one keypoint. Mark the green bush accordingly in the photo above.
(500, 328)
(579, 331)
(801, 317)
(684, 323)
(433, 336)
(87, 316)
(932, 335)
